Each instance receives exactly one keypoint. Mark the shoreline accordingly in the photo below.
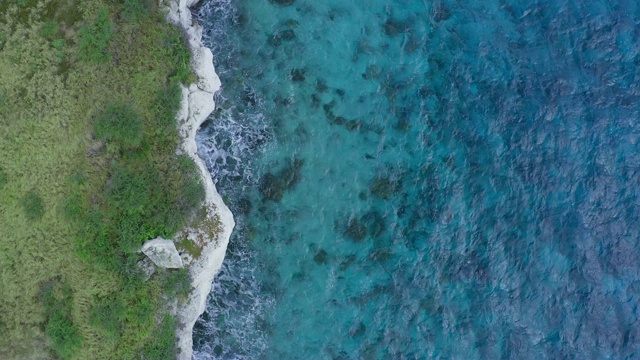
(196, 105)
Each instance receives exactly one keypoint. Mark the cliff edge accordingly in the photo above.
(212, 233)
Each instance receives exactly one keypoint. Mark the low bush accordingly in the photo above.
(176, 283)
(175, 46)
(33, 205)
(136, 10)
(94, 38)
(119, 124)
(60, 327)
(107, 315)
(163, 345)
(192, 192)
(3, 178)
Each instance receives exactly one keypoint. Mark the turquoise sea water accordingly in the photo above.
(420, 179)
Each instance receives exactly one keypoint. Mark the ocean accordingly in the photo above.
(421, 179)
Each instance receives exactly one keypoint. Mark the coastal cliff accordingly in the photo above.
(212, 233)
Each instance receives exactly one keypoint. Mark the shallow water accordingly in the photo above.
(425, 179)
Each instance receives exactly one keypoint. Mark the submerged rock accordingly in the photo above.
(273, 186)
(321, 86)
(298, 75)
(357, 329)
(347, 262)
(393, 27)
(356, 231)
(244, 206)
(373, 72)
(283, 2)
(321, 257)
(381, 254)
(374, 221)
(284, 35)
(441, 13)
(352, 125)
(383, 187)
(163, 253)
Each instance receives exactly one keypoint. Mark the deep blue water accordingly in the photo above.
(426, 179)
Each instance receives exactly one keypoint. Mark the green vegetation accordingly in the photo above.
(88, 172)
(164, 341)
(120, 125)
(33, 206)
(94, 38)
(3, 178)
(136, 10)
(57, 301)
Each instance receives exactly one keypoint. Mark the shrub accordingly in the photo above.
(3, 178)
(166, 106)
(94, 38)
(95, 244)
(176, 46)
(64, 335)
(163, 344)
(49, 29)
(60, 328)
(106, 315)
(32, 205)
(130, 190)
(176, 283)
(136, 10)
(191, 192)
(72, 207)
(119, 124)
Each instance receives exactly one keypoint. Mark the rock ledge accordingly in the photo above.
(163, 253)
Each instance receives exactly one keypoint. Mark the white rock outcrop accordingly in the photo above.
(197, 105)
(163, 253)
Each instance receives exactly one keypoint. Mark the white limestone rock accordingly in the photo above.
(163, 253)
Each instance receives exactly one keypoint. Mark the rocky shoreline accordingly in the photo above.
(212, 235)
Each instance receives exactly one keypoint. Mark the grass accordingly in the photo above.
(88, 172)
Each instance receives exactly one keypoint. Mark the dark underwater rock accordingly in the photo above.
(393, 27)
(315, 100)
(329, 106)
(372, 72)
(274, 186)
(441, 13)
(352, 125)
(284, 35)
(282, 2)
(321, 257)
(374, 221)
(321, 85)
(381, 255)
(383, 187)
(244, 206)
(357, 330)
(347, 262)
(339, 120)
(355, 230)
(402, 124)
(298, 75)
